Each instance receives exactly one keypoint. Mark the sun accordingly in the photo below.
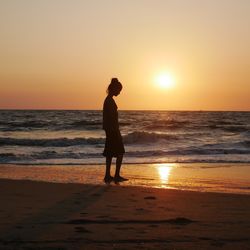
(165, 80)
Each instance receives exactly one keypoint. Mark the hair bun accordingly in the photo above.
(114, 80)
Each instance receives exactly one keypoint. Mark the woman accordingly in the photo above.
(114, 145)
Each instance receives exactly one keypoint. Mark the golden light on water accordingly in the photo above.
(164, 171)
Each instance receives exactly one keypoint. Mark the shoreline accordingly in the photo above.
(76, 216)
(203, 177)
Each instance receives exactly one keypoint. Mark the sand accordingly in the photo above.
(41, 215)
(205, 177)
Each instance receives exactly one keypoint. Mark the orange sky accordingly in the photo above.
(58, 54)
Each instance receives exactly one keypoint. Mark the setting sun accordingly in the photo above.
(165, 80)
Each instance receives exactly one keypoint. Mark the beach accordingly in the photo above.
(125, 125)
(40, 214)
(188, 187)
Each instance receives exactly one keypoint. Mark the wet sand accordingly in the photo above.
(41, 215)
(205, 177)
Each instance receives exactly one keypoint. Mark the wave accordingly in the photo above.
(148, 154)
(226, 122)
(167, 124)
(100, 161)
(131, 138)
(233, 129)
(146, 137)
(55, 142)
(83, 123)
(217, 151)
(23, 126)
(246, 143)
(236, 128)
(26, 124)
(134, 138)
(6, 157)
(55, 126)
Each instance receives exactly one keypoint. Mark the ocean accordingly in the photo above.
(66, 137)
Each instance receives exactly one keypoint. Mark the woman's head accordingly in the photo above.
(114, 87)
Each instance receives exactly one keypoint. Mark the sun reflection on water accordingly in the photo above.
(164, 171)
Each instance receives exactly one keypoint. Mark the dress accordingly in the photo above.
(113, 144)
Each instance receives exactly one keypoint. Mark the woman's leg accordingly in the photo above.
(118, 165)
(108, 177)
(117, 177)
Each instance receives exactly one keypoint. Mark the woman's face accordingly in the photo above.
(117, 92)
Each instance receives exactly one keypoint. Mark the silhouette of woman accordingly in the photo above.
(114, 145)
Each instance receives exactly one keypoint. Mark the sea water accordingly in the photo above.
(69, 137)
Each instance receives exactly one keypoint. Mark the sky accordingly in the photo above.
(58, 54)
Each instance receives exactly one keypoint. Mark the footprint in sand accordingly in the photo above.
(83, 214)
(142, 210)
(125, 228)
(97, 195)
(133, 200)
(82, 230)
(103, 216)
(153, 225)
(149, 198)
(112, 206)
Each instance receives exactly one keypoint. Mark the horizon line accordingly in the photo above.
(169, 110)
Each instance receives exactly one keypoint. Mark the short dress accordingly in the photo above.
(114, 146)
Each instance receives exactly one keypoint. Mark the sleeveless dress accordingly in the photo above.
(113, 144)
